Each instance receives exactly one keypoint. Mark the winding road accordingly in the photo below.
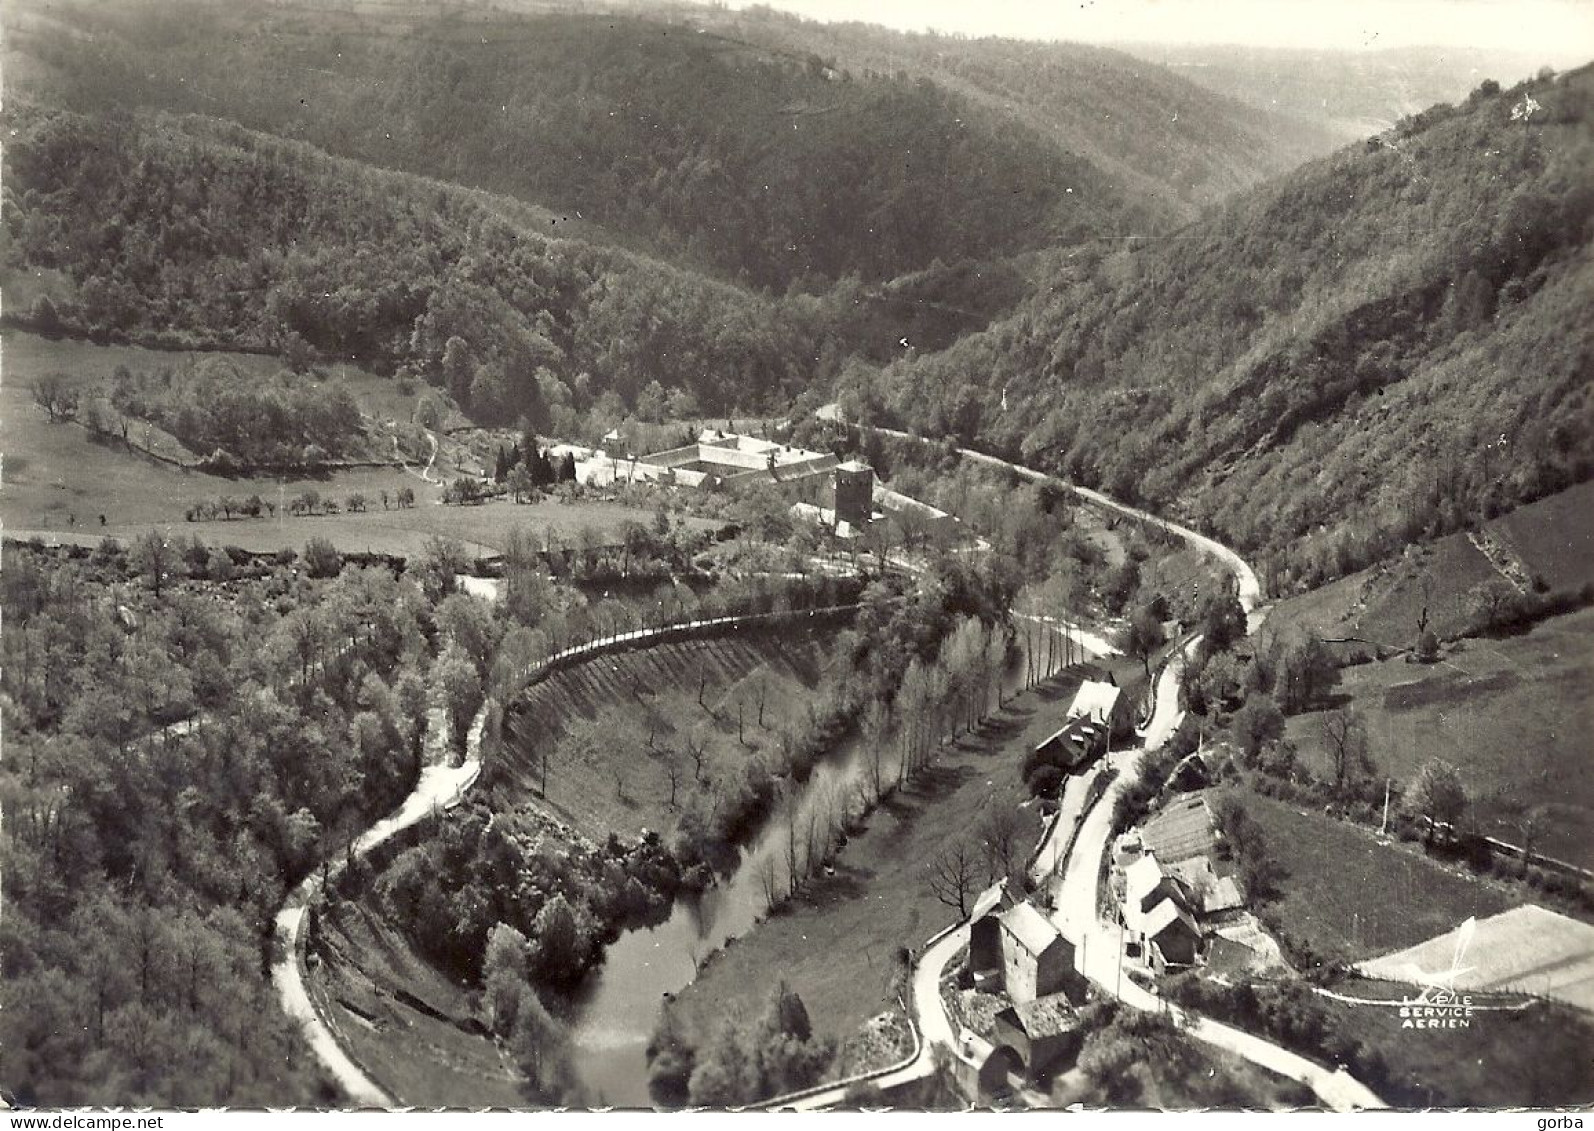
(440, 786)
(1075, 892)
(1100, 944)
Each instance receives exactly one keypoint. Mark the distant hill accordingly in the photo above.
(1156, 134)
(1389, 344)
(773, 152)
(1351, 93)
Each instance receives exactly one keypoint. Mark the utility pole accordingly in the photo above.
(1383, 828)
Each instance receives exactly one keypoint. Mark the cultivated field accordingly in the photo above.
(1350, 896)
(1514, 714)
(58, 480)
(623, 786)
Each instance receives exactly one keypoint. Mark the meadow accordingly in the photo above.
(1512, 713)
(1350, 896)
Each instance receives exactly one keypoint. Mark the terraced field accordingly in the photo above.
(656, 705)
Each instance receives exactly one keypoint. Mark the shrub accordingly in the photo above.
(321, 558)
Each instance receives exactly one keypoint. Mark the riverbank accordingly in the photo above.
(837, 944)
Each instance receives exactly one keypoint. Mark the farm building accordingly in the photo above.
(1098, 713)
(1170, 936)
(1045, 1033)
(1102, 702)
(1037, 960)
(1182, 830)
(733, 459)
(985, 934)
(1076, 743)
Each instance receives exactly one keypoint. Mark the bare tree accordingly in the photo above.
(1534, 824)
(761, 689)
(876, 724)
(766, 880)
(793, 872)
(1345, 738)
(696, 743)
(1001, 835)
(672, 771)
(955, 874)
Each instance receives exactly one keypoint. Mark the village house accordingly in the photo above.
(1014, 949)
(1171, 895)
(1098, 714)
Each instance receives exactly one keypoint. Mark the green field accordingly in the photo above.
(1552, 538)
(1514, 714)
(1351, 897)
(1536, 1057)
(1555, 536)
(836, 944)
(655, 691)
(55, 474)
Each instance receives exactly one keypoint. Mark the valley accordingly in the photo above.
(686, 557)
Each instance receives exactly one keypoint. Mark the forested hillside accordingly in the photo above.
(1155, 134)
(772, 150)
(182, 232)
(1382, 346)
(187, 734)
(770, 168)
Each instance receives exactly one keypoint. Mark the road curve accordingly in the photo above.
(1101, 944)
(1249, 589)
(1075, 890)
(439, 787)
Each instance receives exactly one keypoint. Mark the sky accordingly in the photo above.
(1559, 29)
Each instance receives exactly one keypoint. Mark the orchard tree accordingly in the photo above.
(1344, 735)
(1436, 794)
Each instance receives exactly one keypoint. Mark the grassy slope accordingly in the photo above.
(1512, 713)
(658, 687)
(1352, 897)
(56, 470)
(1507, 1059)
(1553, 537)
(415, 1055)
(836, 944)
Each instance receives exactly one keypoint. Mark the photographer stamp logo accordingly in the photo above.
(1439, 1004)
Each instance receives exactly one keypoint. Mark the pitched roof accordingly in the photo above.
(1163, 916)
(1213, 893)
(1182, 830)
(1095, 699)
(1044, 1017)
(996, 896)
(853, 465)
(1142, 877)
(1032, 929)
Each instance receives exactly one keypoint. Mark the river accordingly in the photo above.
(617, 1013)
